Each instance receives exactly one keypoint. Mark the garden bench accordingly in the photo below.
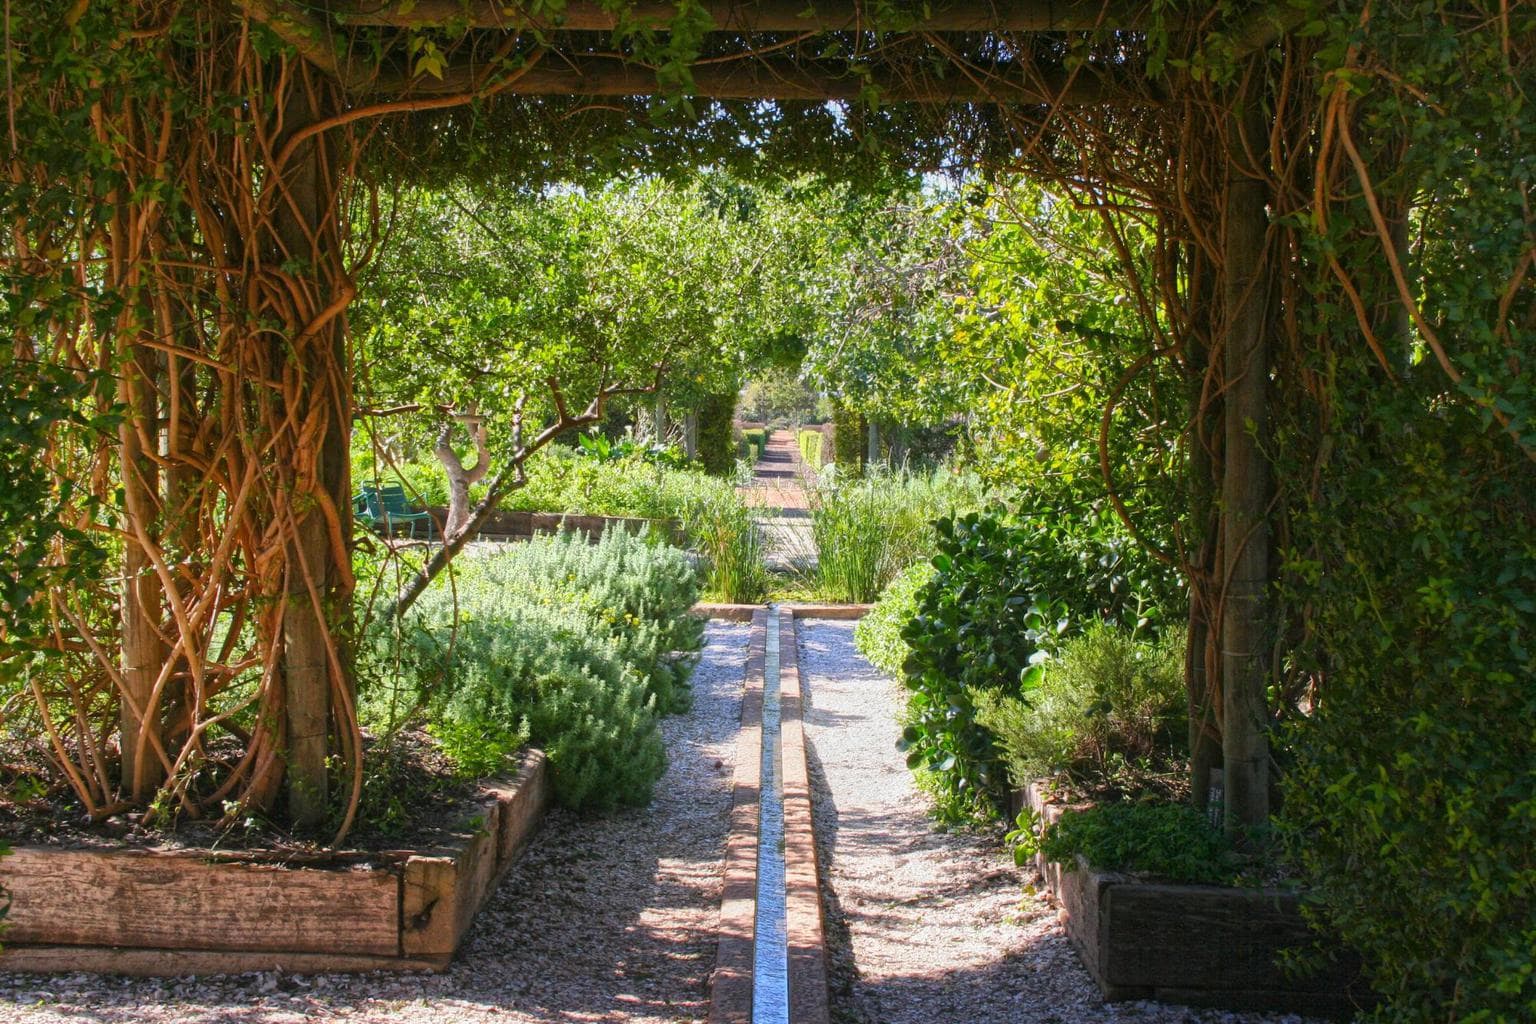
(384, 507)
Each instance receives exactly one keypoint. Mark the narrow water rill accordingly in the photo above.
(770, 967)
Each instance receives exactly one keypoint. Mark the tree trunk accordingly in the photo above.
(1202, 650)
(898, 444)
(1245, 491)
(691, 434)
(872, 454)
(659, 421)
(460, 479)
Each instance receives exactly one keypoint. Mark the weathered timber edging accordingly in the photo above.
(1196, 945)
(196, 912)
(744, 612)
(733, 983)
(506, 525)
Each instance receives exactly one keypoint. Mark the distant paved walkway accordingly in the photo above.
(778, 492)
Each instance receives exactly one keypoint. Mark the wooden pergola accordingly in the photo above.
(1004, 55)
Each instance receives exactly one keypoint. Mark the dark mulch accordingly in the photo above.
(412, 799)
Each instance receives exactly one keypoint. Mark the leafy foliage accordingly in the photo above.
(1169, 842)
(1110, 706)
(878, 633)
(574, 647)
(41, 405)
(982, 623)
(1004, 596)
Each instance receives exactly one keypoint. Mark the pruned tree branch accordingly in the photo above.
(511, 476)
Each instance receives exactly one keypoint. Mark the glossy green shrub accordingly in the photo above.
(1007, 593)
(878, 634)
(982, 623)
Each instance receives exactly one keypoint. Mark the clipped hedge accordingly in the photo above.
(811, 443)
(848, 439)
(716, 453)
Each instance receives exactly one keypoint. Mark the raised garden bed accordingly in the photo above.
(504, 525)
(1197, 945)
(175, 912)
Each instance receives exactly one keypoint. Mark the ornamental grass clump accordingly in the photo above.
(868, 530)
(721, 529)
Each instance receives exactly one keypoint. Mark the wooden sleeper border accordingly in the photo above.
(201, 912)
(1197, 945)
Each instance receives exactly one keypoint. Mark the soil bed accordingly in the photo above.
(411, 800)
(608, 918)
(926, 926)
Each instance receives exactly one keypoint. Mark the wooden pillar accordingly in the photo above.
(143, 652)
(306, 229)
(1245, 489)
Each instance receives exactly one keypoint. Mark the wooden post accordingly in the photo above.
(1245, 487)
(143, 654)
(305, 228)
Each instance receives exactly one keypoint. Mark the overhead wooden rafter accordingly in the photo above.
(555, 70)
(761, 16)
(786, 79)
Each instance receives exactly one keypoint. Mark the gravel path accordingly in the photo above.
(926, 927)
(603, 919)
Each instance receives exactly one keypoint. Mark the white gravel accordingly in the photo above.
(922, 926)
(603, 919)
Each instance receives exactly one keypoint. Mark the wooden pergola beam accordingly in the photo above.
(759, 16)
(778, 79)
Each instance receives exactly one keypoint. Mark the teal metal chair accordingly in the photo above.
(384, 508)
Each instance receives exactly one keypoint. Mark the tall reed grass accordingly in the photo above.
(721, 529)
(868, 530)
